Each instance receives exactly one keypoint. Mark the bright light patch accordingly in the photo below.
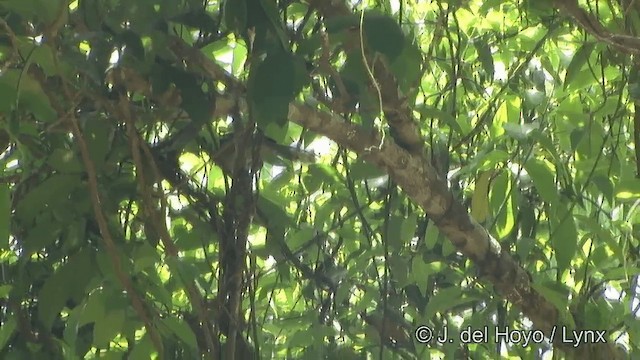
(500, 71)
(115, 56)
(395, 6)
(611, 293)
(321, 146)
(276, 170)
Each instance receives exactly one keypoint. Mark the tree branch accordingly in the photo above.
(420, 182)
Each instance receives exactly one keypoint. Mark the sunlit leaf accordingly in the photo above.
(520, 132)
(579, 59)
(480, 198)
(564, 237)
(628, 190)
(543, 179)
(502, 204)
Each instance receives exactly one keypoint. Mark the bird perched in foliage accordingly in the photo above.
(270, 152)
(224, 155)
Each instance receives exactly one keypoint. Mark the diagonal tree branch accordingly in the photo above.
(623, 42)
(403, 126)
(421, 183)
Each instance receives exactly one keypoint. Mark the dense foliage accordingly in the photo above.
(318, 179)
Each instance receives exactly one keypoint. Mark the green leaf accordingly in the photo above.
(184, 268)
(446, 299)
(547, 144)
(273, 83)
(56, 291)
(182, 331)
(401, 230)
(398, 267)
(557, 295)
(48, 193)
(43, 56)
(621, 273)
(300, 339)
(493, 158)
(144, 257)
(98, 135)
(52, 297)
(8, 95)
(628, 190)
(272, 208)
(501, 193)
(195, 102)
(326, 174)
(543, 179)
(383, 34)
(200, 19)
(42, 10)
(185, 239)
(361, 170)
(407, 67)
(446, 118)
(283, 179)
(340, 23)
(5, 216)
(485, 57)
(143, 349)
(576, 137)
(65, 161)
(564, 239)
(31, 95)
(534, 97)
(520, 131)
(432, 236)
(300, 237)
(43, 234)
(7, 329)
(93, 307)
(311, 183)
(408, 229)
(158, 290)
(70, 334)
(239, 59)
(107, 327)
(309, 45)
(421, 270)
(235, 15)
(480, 198)
(271, 11)
(79, 271)
(604, 185)
(579, 59)
(5, 290)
